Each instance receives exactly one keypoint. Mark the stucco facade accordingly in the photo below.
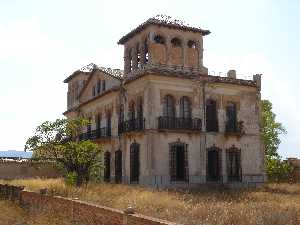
(164, 121)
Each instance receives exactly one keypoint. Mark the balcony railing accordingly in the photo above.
(131, 125)
(173, 123)
(234, 128)
(94, 134)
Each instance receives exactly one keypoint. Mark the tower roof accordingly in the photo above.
(165, 21)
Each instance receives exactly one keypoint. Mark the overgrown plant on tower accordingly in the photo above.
(58, 141)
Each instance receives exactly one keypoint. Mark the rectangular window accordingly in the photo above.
(103, 85)
(94, 91)
(98, 86)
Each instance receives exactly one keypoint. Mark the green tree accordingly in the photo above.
(276, 168)
(270, 130)
(57, 141)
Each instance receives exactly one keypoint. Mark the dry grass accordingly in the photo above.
(274, 204)
(11, 214)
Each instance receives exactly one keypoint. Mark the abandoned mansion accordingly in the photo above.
(163, 120)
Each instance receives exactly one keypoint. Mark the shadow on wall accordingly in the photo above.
(20, 170)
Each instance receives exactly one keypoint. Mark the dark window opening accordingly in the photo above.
(191, 44)
(98, 122)
(140, 113)
(213, 164)
(211, 116)
(178, 162)
(159, 39)
(185, 108)
(98, 86)
(94, 91)
(107, 166)
(169, 106)
(108, 124)
(231, 118)
(118, 166)
(134, 162)
(103, 86)
(176, 42)
(233, 159)
(131, 111)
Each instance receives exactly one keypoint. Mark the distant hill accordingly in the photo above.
(15, 154)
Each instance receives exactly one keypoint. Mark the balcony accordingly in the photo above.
(94, 134)
(131, 125)
(234, 128)
(173, 123)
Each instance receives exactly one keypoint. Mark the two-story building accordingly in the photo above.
(164, 121)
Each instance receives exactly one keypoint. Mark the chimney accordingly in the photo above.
(231, 74)
(257, 79)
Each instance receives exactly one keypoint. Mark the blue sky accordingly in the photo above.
(42, 42)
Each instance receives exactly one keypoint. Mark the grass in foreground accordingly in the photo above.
(274, 204)
(11, 214)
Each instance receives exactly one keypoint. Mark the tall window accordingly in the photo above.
(231, 117)
(118, 166)
(140, 116)
(131, 111)
(146, 52)
(211, 116)
(94, 91)
(213, 164)
(107, 166)
(108, 124)
(98, 121)
(98, 86)
(134, 162)
(103, 85)
(179, 170)
(233, 161)
(168, 106)
(185, 107)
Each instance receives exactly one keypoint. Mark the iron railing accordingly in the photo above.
(174, 123)
(94, 134)
(131, 125)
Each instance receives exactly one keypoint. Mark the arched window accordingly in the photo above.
(176, 42)
(185, 108)
(191, 44)
(168, 106)
(158, 39)
(231, 117)
(211, 116)
(178, 158)
(118, 166)
(134, 162)
(131, 111)
(233, 162)
(107, 166)
(130, 63)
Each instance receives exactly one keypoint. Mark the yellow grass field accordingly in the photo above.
(273, 204)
